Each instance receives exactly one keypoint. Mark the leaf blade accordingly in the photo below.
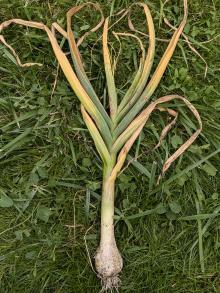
(68, 72)
(124, 105)
(112, 93)
(153, 83)
(99, 143)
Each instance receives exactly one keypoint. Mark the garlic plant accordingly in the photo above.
(114, 133)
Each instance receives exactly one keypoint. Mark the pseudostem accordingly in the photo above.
(108, 260)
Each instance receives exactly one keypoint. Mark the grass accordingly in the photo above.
(51, 174)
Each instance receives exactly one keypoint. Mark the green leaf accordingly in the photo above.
(93, 185)
(175, 207)
(52, 182)
(97, 137)
(161, 208)
(41, 101)
(19, 235)
(187, 28)
(43, 213)
(181, 181)
(34, 178)
(86, 162)
(195, 149)
(5, 201)
(183, 73)
(31, 254)
(215, 196)
(42, 172)
(85, 27)
(171, 215)
(126, 203)
(124, 178)
(176, 140)
(209, 169)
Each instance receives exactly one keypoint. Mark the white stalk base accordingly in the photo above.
(108, 262)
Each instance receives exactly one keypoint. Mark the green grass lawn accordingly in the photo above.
(50, 173)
